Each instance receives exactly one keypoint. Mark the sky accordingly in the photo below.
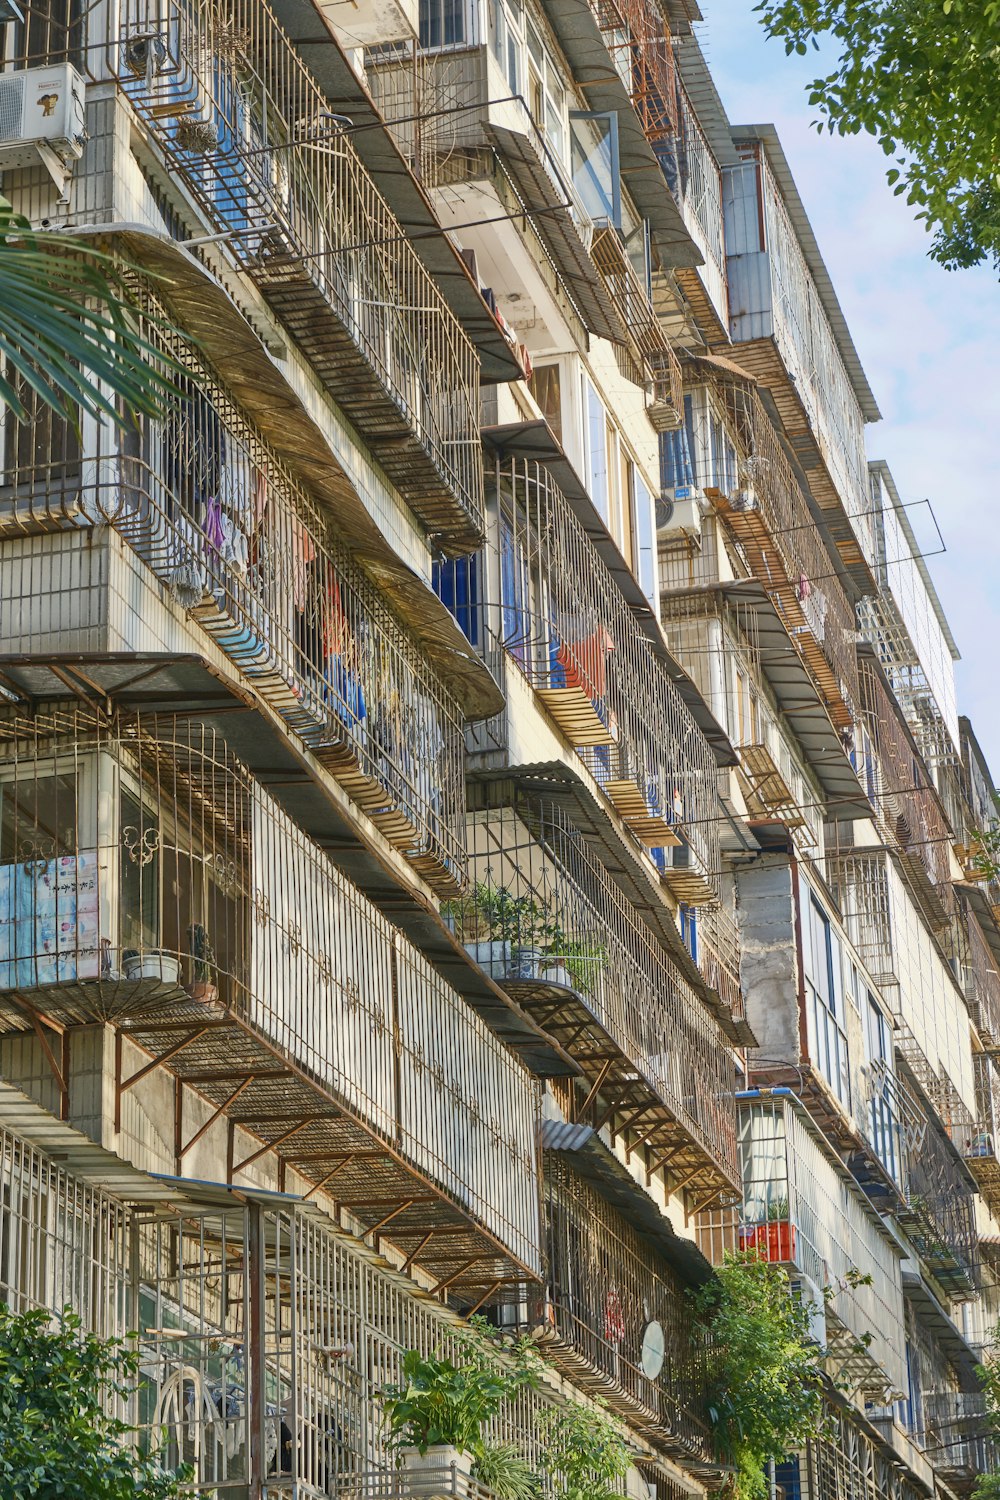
(929, 340)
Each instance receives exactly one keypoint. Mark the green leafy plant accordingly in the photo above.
(66, 330)
(921, 78)
(57, 1439)
(584, 1453)
(765, 1388)
(502, 1469)
(444, 1400)
(988, 1375)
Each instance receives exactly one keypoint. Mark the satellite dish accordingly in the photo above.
(654, 1350)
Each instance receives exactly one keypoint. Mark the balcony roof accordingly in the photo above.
(798, 699)
(315, 40)
(204, 308)
(594, 71)
(160, 683)
(592, 1160)
(536, 440)
(778, 162)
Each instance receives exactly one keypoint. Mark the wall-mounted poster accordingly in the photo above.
(49, 921)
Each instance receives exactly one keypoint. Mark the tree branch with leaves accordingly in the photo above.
(921, 77)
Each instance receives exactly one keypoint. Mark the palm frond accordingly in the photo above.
(66, 332)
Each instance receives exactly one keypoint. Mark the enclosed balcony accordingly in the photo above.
(981, 982)
(246, 130)
(802, 1209)
(264, 1335)
(544, 916)
(232, 538)
(563, 623)
(147, 881)
(982, 1147)
(789, 332)
(908, 810)
(959, 1438)
(730, 451)
(615, 1313)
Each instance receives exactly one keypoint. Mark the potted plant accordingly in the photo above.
(153, 963)
(773, 1240)
(435, 1414)
(202, 986)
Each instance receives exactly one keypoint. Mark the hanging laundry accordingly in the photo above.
(303, 553)
(804, 588)
(584, 661)
(213, 523)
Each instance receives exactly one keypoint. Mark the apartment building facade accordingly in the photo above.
(484, 821)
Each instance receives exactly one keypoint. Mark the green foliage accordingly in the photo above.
(500, 1467)
(584, 1452)
(921, 77)
(765, 1396)
(988, 1485)
(986, 858)
(65, 325)
(57, 1440)
(440, 1400)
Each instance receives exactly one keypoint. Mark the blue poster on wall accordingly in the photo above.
(49, 920)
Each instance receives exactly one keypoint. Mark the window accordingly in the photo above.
(595, 167)
(644, 511)
(546, 94)
(505, 42)
(140, 874)
(821, 955)
(595, 432)
(883, 1123)
(544, 385)
(442, 23)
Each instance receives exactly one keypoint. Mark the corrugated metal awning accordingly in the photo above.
(552, 219)
(591, 1160)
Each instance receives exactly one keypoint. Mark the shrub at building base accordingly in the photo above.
(765, 1394)
(57, 1439)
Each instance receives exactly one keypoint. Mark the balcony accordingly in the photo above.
(645, 355)
(801, 1209)
(563, 623)
(939, 1213)
(147, 881)
(244, 127)
(959, 1438)
(908, 811)
(266, 1376)
(981, 982)
(217, 520)
(545, 918)
(982, 1146)
(763, 509)
(615, 1314)
(789, 333)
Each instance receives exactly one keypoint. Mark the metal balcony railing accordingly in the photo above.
(800, 1210)
(981, 981)
(564, 624)
(546, 918)
(959, 1437)
(216, 517)
(648, 358)
(264, 1336)
(763, 508)
(909, 813)
(145, 875)
(981, 1147)
(607, 1288)
(246, 129)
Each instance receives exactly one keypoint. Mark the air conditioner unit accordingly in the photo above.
(679, 511)
(814, 1301)
(42, 119)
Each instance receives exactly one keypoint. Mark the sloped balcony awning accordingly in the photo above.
(151, 683)
(259, 386)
